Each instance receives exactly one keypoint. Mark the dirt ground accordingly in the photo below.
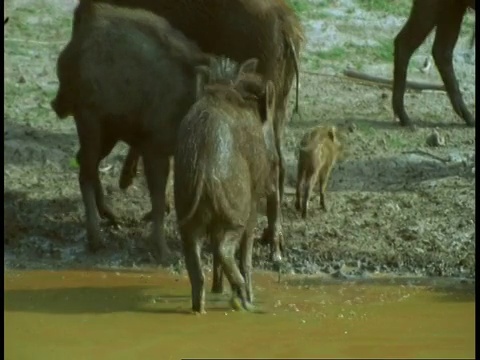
(392, 207)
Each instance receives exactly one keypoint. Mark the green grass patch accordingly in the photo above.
(381, 52)
(393, 7)
(397, 142)
(335, 53)
(301, 7)
(355, 54)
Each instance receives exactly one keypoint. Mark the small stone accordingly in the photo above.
(435, 139)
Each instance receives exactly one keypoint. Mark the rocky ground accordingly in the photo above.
(396, 205)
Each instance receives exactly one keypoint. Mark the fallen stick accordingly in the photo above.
(378, 80)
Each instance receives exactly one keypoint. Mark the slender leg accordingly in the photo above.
(307, 192)
(217, 283)
(156, 172)
(445, 39)
(246, 249)
(194, 268)
(419, 24)
(89, 135)
(227, 257)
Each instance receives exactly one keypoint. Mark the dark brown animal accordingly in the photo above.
(227, 161)
(268, 30)
(126, 75)
(446, 16)
(319, 151)
(5, 21)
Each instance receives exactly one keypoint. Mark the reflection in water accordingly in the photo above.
(129, 315)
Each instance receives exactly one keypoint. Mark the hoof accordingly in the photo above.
(199, 312)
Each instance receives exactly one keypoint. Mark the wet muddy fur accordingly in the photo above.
(446, 16)
(142, 106)
(224, 166)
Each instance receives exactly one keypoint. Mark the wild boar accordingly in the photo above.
(319, 151)
(225, 163)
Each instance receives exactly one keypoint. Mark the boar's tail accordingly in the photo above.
(200, 181)
(294, 55)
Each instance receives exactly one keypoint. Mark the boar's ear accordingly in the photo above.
(269, 101)
(202, 72)
(332, 133)
(249, 66)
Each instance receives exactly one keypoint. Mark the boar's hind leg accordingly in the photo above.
(307, 192)
(246, 248)
(217, 283)
(191, 247)
(322, 182)
(89, 135)
(226, 249)
(156, 172)
(298, 197)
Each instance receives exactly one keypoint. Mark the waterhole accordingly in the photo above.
(133, 315)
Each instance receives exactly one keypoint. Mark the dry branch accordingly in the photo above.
(378, 80)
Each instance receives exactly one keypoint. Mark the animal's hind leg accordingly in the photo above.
(419, 24)
(446, 37)
(103, 209)
(246, 248)
(323, 181)
(226, 250)
(89, 135)
(300, 181)
(217, 283)
(156, 172)
(307, 192)
(168, 205)
(191, 248)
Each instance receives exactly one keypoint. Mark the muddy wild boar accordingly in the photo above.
(126, 75)
(425, 15)
(268, 30)
(318, 153)
(225, 162)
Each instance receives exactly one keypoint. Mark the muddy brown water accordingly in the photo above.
(132, 315)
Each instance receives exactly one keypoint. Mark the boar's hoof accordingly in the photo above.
(199, 312)
(239, 305)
